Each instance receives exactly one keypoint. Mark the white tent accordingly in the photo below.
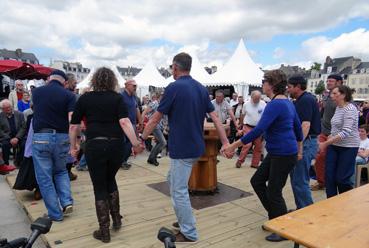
(86, 81)
(240, 71)
(198, 72)
(148, 76)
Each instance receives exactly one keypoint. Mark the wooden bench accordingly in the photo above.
(338, 222)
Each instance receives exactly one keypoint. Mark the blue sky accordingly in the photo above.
(129, 33)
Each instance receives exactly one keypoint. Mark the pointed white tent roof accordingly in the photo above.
(119, 77)
(86, 81)
(198, 72)
(240, 69)
(149, 75)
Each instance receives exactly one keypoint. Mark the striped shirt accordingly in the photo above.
(345, 124)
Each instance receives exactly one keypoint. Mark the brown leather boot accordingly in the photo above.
(115, 210)
(102, 212)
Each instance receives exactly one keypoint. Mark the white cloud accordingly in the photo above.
(355, 43)
(278, 53)
(122, 31)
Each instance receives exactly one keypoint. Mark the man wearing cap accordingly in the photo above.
(53, 106)
(308, 111)
(329, 107)
(134, 114)
(16, 94)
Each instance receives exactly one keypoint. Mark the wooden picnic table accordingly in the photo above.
(338, 222)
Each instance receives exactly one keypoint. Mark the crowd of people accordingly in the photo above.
(100, 129)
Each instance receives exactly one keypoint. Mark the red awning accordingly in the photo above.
(21, 70)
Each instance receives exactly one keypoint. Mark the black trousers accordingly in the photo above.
(104, 158)
(275, 171)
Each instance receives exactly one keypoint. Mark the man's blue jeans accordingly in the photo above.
(49, 153)
(359, 161)
(178, 176)
(300, 177)
(160, 143)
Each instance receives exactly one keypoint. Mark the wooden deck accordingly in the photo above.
(233, 224)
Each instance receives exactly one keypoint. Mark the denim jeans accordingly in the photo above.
(160, 143)
(49, 153)
(300, 177)
(178, 176)
(339, 168)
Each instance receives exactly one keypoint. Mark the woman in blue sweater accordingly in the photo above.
(282, 131)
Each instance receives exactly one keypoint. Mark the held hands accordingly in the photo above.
(137, 149)
(74, 152)
(227, 150)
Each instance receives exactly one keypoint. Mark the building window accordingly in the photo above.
(366, 90)
(353, 81)
(360, 91)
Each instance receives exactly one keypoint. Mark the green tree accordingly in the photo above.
(316, 66)
(320, 88)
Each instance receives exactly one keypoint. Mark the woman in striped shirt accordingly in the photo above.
(343, 143)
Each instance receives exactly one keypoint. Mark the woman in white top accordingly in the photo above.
(343, 143)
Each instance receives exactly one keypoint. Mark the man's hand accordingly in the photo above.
(239, 133)
(227, 150)
(14, 141)
(140, 127)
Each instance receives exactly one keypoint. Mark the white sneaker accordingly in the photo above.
(159, 155)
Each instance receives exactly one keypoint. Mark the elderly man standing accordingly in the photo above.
(222, 108)
(134, 114)
(251, 114)
(308, 112)
(12, 128)
(53, 106)
(16, 94)
(186, 103)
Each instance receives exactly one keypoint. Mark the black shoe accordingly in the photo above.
(175, 225)
(263, 227)
(153, 162)
(274, 238)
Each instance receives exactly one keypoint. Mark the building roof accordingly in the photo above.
(18, 55)
(363, 65)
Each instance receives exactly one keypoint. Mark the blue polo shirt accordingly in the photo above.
(186, 103)
(51, 105)
(131, 103)
(308, 110)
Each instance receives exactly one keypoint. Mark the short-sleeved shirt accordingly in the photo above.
(329, 108)
(308, 110)
(51, 105)
(186, 103)
(153, 106)
(252, 112)
(221, 109)
(103, 110)
(131, 102)
(364, 145)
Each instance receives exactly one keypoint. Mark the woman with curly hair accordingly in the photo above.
(106, 116)
(282, 131)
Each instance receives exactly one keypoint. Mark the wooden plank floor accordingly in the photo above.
(233, 224)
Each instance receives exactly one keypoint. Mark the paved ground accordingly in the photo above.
(14, 222)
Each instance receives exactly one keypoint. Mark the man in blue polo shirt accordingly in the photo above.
(53, 106)
(186, 103)
(130, 99)
(308, 111)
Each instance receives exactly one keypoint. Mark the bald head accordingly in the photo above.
(255, 96)
(6, 106)
(130, 86)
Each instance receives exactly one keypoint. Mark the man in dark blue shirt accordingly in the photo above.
(53, 106)
(186, 103)
(308, 112)
(130, 99)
